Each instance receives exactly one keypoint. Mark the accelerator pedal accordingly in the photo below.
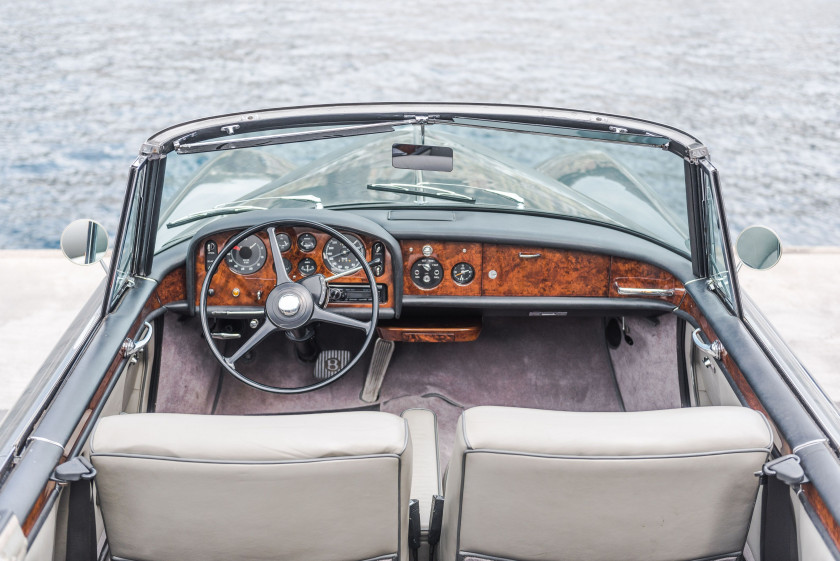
(382, 351)
(329, 363)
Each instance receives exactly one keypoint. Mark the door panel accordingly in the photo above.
(811, 544)
(711, 385)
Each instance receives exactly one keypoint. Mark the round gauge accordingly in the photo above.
(307, 242)
(338, 256)
(307, 266)
(463, 273)
(247, 257)
(286, 265)
(284, 242)
(426, 273)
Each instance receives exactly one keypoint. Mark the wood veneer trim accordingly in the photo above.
(823, 514)
(552, 272)
(629, 273)
(431, 332)
(448, 254)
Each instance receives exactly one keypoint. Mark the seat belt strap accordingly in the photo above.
(778, 520)
(78, 473)
(414, 528)
(435, 525)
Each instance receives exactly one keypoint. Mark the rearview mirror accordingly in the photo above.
(84, 242)
(421, 157)
(759, 247)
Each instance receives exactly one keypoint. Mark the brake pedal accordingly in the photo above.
(330, 363)
(382, 351)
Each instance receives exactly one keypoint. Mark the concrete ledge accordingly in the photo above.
(41, 292)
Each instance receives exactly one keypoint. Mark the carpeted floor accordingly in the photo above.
(544, 363)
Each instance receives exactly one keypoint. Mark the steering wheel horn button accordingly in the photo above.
(289, 304)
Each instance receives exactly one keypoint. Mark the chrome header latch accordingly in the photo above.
(130, 347)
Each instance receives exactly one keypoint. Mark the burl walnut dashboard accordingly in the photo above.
(430, 268)
(434, 268)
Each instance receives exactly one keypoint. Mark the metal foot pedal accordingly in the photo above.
(329, 363)
(382, 351)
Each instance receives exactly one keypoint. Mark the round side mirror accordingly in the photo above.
(84, 242)
(759, 247)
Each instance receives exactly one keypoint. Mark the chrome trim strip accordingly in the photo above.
(47, 440)
(796, 449)
(353, 113)
(628, 291)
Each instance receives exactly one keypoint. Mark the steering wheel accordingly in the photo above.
(291, 305)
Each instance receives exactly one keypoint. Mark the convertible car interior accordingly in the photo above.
(450, 337)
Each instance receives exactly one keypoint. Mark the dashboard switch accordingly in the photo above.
(211, 252)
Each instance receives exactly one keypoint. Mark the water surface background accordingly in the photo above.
(82, 84)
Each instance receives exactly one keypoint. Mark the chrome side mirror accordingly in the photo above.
(84, 242)
(759, 247)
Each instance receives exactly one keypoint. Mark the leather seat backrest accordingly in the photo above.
(322, 487)
(526, 484)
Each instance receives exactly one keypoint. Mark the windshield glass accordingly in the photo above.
(633, 187)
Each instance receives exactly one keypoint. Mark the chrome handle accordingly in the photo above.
(529, 255)
(626, 291)
(715, 349)
(131, 347)
(226, 336)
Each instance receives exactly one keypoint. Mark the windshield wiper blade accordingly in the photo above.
(520, 202)
(419, 190)
(212, 212)
(318, 204)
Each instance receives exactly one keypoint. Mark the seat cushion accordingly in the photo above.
(656, 485)
(330, 487)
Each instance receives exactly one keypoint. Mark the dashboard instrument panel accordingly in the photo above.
(430, 268)
(247, 276)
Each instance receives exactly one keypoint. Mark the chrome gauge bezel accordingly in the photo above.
(307, 236)
(308, 261)
(431, 266)
(331, 260)
(469, 267)
(249, 266)
(284, 242)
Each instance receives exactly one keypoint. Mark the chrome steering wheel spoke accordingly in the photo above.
(320, 314)
(265, 329)
(277, 256)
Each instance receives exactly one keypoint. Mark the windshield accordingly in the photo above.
(633, 187)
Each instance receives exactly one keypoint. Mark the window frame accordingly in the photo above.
(134, 190)
(707, 169)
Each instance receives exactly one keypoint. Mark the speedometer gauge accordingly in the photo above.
(338, 257)
(247, 257)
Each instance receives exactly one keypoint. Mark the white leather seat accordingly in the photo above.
(323, 487)
(527, 484)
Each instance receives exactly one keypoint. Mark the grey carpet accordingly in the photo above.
(545, 363)
(188, 371)
(647, 371)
